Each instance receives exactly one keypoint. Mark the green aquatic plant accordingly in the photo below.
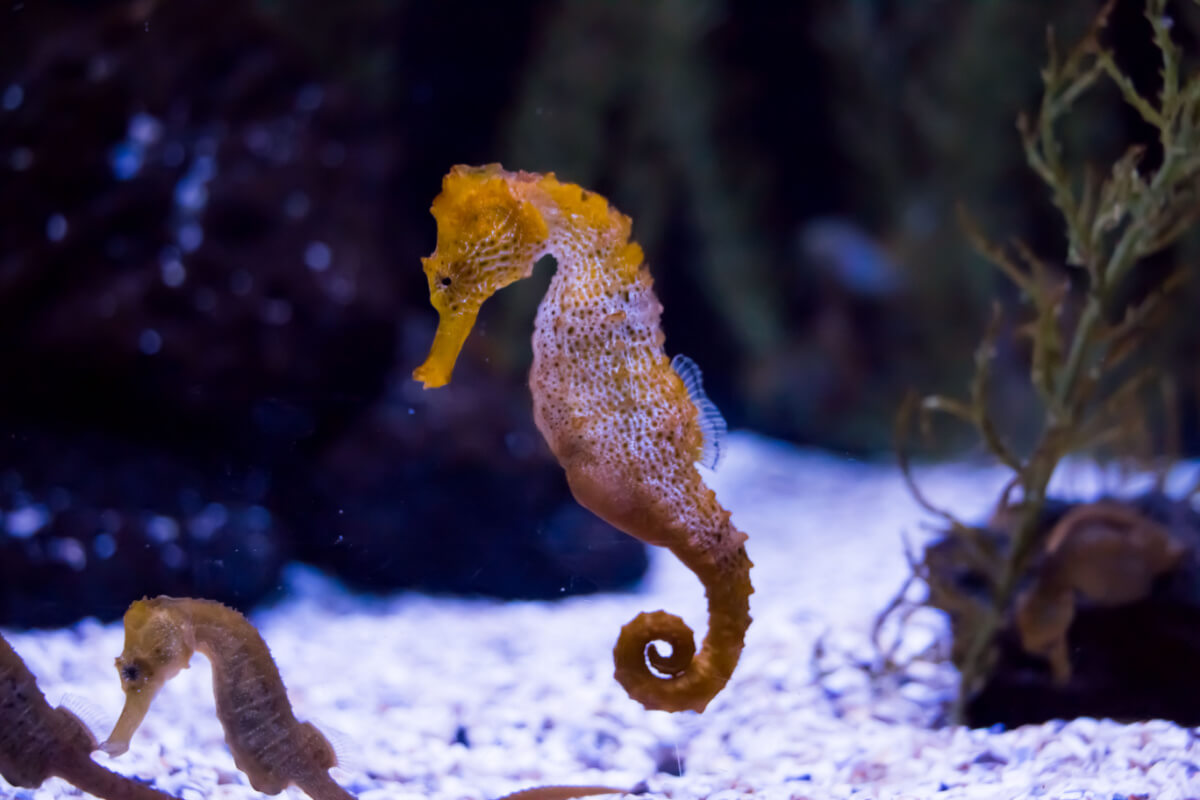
(1086, 325)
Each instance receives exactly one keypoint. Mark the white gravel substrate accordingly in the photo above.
(470, 699)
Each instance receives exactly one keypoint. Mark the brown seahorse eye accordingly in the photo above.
(130, 672)
(445, 281)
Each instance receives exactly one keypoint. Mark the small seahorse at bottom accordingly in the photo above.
(627, 424)
(269, 744)
(38, 742)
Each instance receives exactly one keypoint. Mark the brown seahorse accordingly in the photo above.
(627, 424)
(1104, 551)
(38, 742)
(269, 744)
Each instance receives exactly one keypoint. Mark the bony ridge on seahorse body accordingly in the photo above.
(627, 424)
(268, 743)
(38, 742)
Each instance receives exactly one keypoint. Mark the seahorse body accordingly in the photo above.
(268, 743)
(1105, 552)
(626, 425)
(38, 742)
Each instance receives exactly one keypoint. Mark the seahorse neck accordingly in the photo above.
(220, 632)
(586, 250)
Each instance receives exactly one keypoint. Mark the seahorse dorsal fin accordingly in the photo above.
(712, 424)
(348, 755)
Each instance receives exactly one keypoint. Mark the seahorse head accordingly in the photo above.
(157, 646)
(489, 235)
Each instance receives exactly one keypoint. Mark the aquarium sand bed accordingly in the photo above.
(436, 697)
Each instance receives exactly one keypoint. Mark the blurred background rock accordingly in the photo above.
(210, 295)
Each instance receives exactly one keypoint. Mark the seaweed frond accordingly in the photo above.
(1087, 345)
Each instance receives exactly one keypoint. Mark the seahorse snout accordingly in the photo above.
(452, 331)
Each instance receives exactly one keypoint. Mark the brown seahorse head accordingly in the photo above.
(157, 647)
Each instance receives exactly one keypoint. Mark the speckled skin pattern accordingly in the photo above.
(614, 412)
(268, 743)
(38, 742)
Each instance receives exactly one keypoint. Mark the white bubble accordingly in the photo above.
(150, 341)
(205, 146)
(110, 520)
(56, 228)
(21, 523)
(69, 552)
(162, 529)
(309, 98)
(257, 518)
(99, 68)
(173, 556)
(190, 237)
(191, 193)
(13, 96)
(296, 205)
(241, 282)
(144, 129)
(173, 154)
(104, 546)
(318, 256)
(173, 273)
(277, 312)
(342, 289)
(126, 160)
(210, 519)
(205, 300)
(20, 159)
(258, 140)
(204, 168)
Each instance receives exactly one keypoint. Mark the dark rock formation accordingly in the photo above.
(207, 244)
(455, 490)
(189, 249)
(1134, 661)
(89, 524)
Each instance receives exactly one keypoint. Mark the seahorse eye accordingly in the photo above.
(445, 281)
(130, 672)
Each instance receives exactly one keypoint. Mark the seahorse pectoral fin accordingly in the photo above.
(452, 332)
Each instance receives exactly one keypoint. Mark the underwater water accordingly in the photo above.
(455, 400)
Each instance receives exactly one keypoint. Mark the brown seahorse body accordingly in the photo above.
(269, 744)
(1106, 552)
(38, 742)
(627, 424)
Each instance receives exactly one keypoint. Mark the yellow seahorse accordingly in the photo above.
(627, 424)
(269, 744)
(38, 742)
